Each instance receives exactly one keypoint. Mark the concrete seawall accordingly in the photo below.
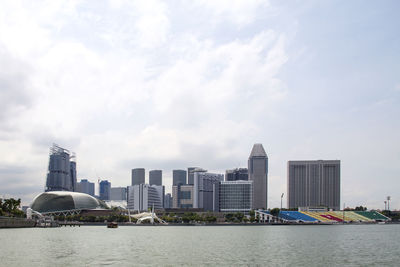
(8, 222)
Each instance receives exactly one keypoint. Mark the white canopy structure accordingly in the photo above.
(147, 216)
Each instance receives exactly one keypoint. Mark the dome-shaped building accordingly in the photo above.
(64, 201)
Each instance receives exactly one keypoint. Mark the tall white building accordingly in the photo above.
(144, 196)
(313, 183)
(203, 189)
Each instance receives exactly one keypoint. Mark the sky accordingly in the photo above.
(173, 84)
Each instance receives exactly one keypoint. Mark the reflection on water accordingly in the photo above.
(202, 245)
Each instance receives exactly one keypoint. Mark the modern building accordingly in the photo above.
(203, 189)
(182, 196)
(138, 176)
(118, 193)
(237, 174)
(155, 177)
(313, 183)
(72, 171)
(84, 186)
(167, 201)
(178, 177)
(190, 172)
(258, 173)
(105, 190)
(233, 196)
(63, 202)
(144, 196)
(61, 175)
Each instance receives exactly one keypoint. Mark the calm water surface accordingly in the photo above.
(336, 245)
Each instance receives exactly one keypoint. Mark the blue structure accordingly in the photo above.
(105, 190)
(296, 216)
(61, 174)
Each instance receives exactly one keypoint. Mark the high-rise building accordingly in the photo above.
(138, 176)
(182, 196)
(84, 186)
(190, 172)
(144, 196)
(105, 190)
(118, 193)
(237, 174)
(203, 189)
(178, 177)
(72, 171)
(167, 201)
(61, 175)
(258, 173)
(155, 177)
(313, 183)
(233, 196)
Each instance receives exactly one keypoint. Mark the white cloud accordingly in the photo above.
(130, 84)
(235, 11)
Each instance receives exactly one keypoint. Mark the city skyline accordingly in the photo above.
(172, 85)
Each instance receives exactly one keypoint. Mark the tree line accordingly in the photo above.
(10, 207)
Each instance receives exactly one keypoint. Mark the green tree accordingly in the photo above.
(360, 208)
(275, 211)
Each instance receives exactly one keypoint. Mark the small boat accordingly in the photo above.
(112, 225)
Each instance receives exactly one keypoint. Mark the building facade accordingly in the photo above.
(138, 176)
(237, 174)
(61, 174)
(105, 190)
(313, 183)
(167, 201)
(155, 177)
(144, 197)
(182, 196)
(233, 196)
(84, 186)
(203, 189)
(190, 173)
(258, 173)
(178, 177)
(118, 193)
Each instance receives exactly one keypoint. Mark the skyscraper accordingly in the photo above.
(138, 176)
(72, 172)
(84, 186)
(105, 190)
(61, 175)
(237, 174)
(118, 193)
(144, 196)
(258, 173)
(155, 177)
(313, 183)
(167, 201)
(203, 189)
(182, 196)
(178, 177)
(191, 175)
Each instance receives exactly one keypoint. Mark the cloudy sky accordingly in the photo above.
(166, 85)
